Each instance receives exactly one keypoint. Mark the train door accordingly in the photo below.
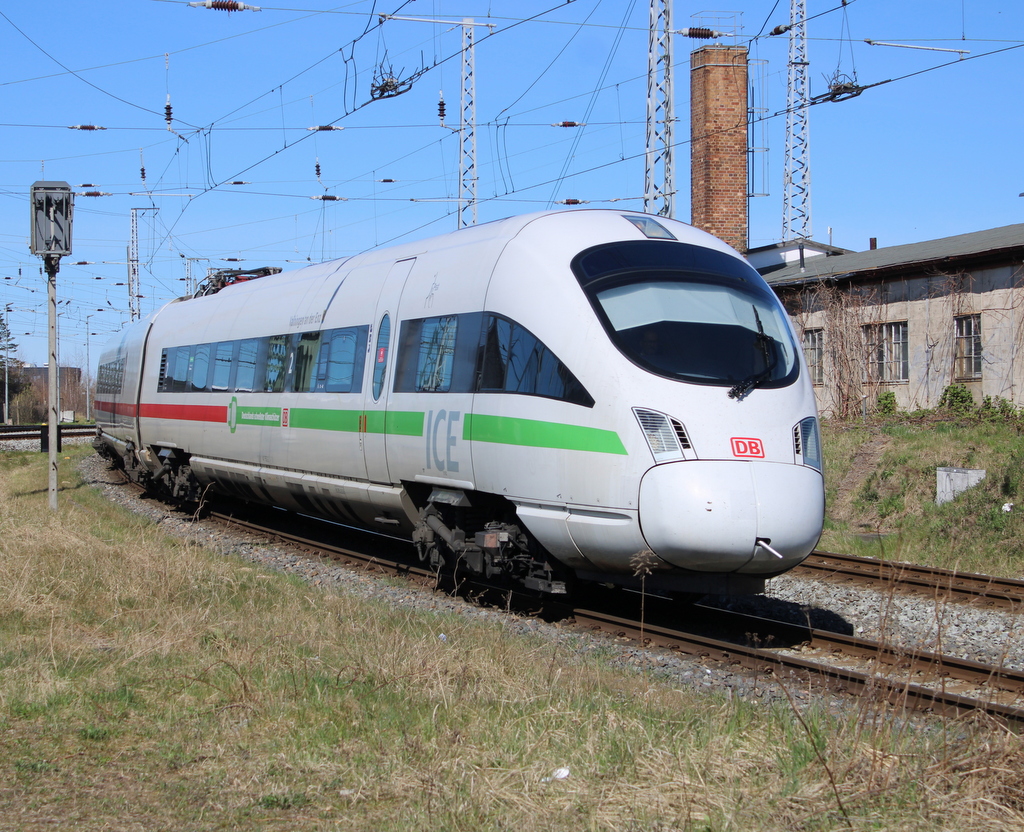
(383, 337)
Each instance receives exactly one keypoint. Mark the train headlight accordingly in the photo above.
(666, 437)
(807, 442)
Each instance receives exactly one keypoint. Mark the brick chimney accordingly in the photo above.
(718, 142)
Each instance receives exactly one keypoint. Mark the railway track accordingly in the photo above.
(12, 432)
(983, 590)
(915, 680)
(922, 681)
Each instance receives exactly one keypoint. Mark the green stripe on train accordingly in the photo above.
(405, 423)
(395, 423)
(311, 418)
(505, 430)
(502, 430)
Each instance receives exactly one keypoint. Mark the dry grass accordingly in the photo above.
(146, 684)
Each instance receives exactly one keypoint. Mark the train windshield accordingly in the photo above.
(690, 313)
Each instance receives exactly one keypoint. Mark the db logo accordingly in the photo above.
(745, 446)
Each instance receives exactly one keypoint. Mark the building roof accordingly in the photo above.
(994, 245)
(775, 256)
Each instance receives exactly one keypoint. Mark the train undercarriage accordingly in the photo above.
(457, 532)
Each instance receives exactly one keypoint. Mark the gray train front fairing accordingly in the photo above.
(581, 387)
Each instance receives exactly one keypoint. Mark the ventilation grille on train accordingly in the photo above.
(665, 436)
(807, 442)
(163, 371)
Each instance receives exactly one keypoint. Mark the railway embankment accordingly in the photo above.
(157, 671)
(881, 491)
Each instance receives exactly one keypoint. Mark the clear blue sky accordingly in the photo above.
(934, 152)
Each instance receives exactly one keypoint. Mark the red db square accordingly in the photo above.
(746, 446)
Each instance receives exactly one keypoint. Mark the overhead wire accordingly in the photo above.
(76, 74)
(577, 137)
(349, 111)
(208, 133)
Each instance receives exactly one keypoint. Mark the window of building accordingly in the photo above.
(967, 347)
(814, 354)
(888, 352)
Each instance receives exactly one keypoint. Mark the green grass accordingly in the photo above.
(880, 493)
(146, 683)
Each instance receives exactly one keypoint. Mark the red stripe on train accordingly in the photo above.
(120, 408)
(185, 412)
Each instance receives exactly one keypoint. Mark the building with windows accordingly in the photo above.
(911, 320)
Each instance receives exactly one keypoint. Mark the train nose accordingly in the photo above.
(709, 515)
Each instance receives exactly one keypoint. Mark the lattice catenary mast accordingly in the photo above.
(659, 190)
(133, 265)
(467, 128)
(796, 204)
(659, 173)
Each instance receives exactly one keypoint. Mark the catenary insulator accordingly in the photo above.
(224, 5)
(324, 127)
(93, 193)
(569, 124)
(167, 112)
(701, 33)
(441, 110)
(85, 127)
(330, 198)
(572, 201)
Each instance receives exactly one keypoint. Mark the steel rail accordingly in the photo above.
(917, 661)
(894, 691)
(330, 550)
(35, 431)
(967, 586)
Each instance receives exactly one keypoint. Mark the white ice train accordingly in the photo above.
(538, 399)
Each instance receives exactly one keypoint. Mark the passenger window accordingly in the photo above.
(513, 360)
(381, 356)
(200, 368)
(436, 354)
(306, 349)
(110, 378)
(341, 360)
(222, 365)
(277, 355)
(245, 378)
(182, 356)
